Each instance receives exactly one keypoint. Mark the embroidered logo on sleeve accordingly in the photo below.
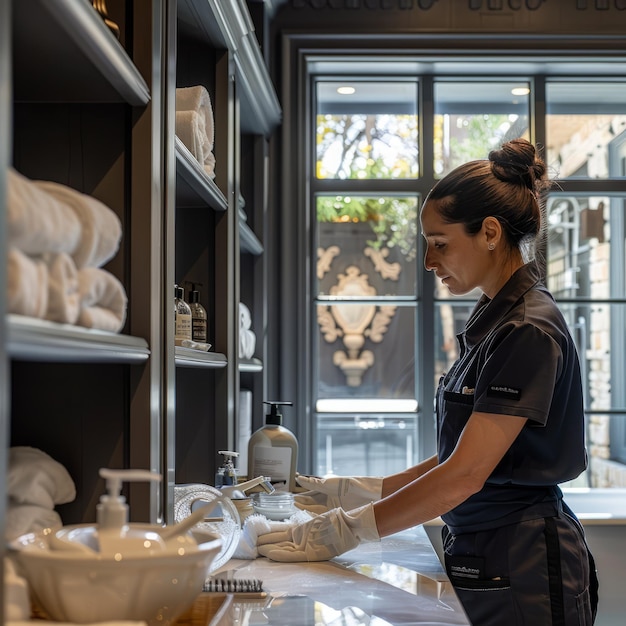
(502, 391)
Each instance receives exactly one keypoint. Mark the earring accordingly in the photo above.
(491, 246)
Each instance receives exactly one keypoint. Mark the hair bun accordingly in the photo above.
(517, 162)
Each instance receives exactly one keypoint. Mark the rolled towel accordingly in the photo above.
(63, 295)
(190, 130)
(103, 300)
(36, 221)
(247, 338)
(197, 99)
(34, 477)
(27, 284)
(29, 518)
(209, 165)
(101, 229)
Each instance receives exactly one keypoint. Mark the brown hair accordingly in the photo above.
(507, 186)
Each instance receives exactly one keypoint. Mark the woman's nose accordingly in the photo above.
(428, 262)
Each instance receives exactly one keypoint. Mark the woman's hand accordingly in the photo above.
(322, 538)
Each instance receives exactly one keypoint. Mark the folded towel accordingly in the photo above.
(247, 338)
(209, 165)
(34, 477)
(190, 130)
(29, 518)
(101, 229)
(197, 99)
(103, 300)
(27, 284)
(63, 296)
(36, 221)
(16, 596)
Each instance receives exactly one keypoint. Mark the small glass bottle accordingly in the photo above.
(198, 316)
(182, 316)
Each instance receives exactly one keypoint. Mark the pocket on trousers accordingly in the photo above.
(583, 606)
(488, 602)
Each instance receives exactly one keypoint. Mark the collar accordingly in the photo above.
(487, 313)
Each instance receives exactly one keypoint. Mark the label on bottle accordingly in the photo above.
(198, 329)
(183, 326)
(274, 463)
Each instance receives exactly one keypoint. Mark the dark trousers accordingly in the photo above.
(537, 572)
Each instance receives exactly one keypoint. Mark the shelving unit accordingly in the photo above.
(97, 113)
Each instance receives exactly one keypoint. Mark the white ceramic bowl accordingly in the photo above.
(82, 586)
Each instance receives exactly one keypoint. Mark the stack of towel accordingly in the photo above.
(36, 483)
(58, 241)
(247, 338)
(194, 125)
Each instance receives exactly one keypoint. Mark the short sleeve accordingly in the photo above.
(521, 367)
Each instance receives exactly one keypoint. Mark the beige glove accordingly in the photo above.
(322, 538)
(347, 492)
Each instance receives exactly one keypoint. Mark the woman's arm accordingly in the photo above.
(394, 482)
(440, 487)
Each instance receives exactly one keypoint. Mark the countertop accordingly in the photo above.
(398, 581)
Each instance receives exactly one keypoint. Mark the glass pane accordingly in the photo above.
(366, 246)
(450, 318)
(366, 130)
(365, 445)
(586, 129)
(586, 238)
(365, 350)
(472, 118)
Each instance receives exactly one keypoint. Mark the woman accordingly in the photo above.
(509, 419)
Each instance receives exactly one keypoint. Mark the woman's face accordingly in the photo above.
(461, 261)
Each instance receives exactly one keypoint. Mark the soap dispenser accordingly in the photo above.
(198, 315)
(273, 450)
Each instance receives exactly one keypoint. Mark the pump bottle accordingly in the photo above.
(273, 450)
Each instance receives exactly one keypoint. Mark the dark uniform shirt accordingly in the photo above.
(517, 357)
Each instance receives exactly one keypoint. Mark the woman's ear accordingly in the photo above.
(492, 231)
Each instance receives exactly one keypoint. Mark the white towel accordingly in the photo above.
(190, 130)
(101, 229)
(247, 338)
(103, 300)
(63, 296)
(197, 99)
(36, 221)
(257, 524)
(27, 284)
(34, 477)
(29, 518)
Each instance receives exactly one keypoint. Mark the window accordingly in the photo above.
(383, 330)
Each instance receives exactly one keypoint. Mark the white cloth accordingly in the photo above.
(190, 130)
(27, 284)
(347, 492)
(195, 124)
(34, 477)
(322, 538)
(63, 296)
(36, 221)
(197, 99)
(101, 229)
(257, 524)
(103, 300)
(247, 338)
(29, 518)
